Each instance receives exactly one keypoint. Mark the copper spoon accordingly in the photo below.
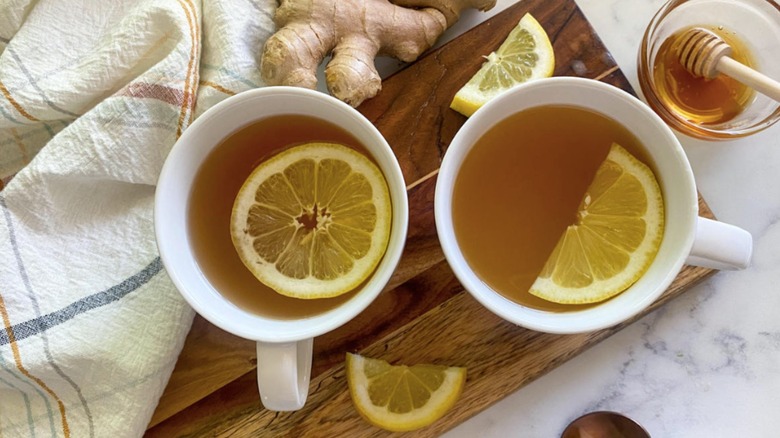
(705, 54)
(604, 424)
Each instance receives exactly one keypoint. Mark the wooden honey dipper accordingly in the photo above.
(705, 54)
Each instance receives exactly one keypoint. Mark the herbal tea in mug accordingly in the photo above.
(289, 169)
(573, 191)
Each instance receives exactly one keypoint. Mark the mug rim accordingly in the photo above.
(569, 91)
(183, 269)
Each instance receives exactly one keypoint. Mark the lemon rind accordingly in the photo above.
(441, 401)
(469, 98)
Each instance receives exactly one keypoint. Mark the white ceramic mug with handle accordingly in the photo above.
(687, 237)
(284, 347)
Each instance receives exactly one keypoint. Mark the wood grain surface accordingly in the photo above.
(423, 316)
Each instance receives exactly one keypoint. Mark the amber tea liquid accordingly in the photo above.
(211, 202)
(519, 188)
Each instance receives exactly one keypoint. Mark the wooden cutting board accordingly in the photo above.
(423, 316)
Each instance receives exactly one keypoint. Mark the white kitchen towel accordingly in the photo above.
(93, 94)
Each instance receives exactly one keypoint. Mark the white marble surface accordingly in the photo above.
(706, 364)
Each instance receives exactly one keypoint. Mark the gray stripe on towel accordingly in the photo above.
(34, 83)
(35, 326)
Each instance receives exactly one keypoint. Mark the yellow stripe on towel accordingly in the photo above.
(23, 370)
(15, 104)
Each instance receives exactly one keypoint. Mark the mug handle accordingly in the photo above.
(719, 245)
(283, 373)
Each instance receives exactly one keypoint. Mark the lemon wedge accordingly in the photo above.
(619, 226)
(401, 398)
(312, 221)
(526, 54)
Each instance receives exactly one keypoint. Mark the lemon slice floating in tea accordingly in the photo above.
(401, 398)
(526, 54)
(312, 221)
(619, 226)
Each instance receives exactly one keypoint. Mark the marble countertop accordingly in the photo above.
(706, 364)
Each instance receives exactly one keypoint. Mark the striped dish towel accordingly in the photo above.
(93, 94)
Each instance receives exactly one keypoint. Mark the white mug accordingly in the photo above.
(284, 347)
(687, 237)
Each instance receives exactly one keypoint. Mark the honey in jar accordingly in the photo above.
(699, 100)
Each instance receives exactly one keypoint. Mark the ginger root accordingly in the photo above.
(354, 32)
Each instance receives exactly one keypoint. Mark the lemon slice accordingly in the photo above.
(312, 221)
(402, 398)
(619, 226)
(526, 54)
